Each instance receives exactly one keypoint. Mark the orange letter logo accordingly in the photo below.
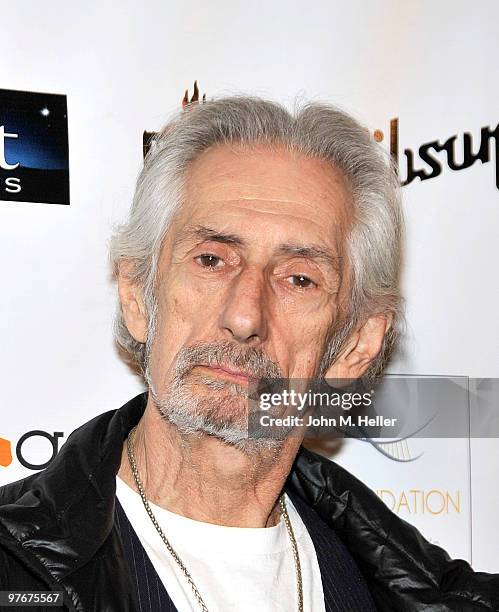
(5, 453)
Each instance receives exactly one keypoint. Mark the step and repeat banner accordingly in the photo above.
(79, 86)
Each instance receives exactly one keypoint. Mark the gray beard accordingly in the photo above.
(218, 408)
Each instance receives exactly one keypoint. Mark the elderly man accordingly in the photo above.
(259, 245)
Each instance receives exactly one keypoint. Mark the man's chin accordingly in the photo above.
(214, 420)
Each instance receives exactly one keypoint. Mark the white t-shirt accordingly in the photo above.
(234, 568)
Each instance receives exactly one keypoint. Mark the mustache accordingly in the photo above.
(252, 361)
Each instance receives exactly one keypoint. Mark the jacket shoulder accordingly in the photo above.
(403, 569)
(12, 491)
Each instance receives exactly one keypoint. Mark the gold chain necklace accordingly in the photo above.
(175, 556)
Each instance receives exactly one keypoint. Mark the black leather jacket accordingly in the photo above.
(57, 531)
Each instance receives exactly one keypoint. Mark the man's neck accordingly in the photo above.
(205, 479)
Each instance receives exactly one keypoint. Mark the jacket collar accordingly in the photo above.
(79, 483)
(56, 503)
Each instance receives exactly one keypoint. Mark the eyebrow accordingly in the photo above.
(311, 251)
(207, 233)
(308, 251)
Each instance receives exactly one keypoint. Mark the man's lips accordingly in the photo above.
(227, 372)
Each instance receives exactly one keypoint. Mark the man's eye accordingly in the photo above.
(209, 261)
(302, 281)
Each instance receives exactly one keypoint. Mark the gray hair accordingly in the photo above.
(317, 130)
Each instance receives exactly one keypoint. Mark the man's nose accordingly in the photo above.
(243, 317)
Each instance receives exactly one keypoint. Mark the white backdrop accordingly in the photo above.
(124, 67)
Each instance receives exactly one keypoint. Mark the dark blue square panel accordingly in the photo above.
(34, 156)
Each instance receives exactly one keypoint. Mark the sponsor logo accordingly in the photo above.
(149, 138)
(419, 501)
(34, 159)
(6, 455)
(429, 159)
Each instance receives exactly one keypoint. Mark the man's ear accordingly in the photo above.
(132, 302)
(361, 349)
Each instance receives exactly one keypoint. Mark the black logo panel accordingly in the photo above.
(34, 158)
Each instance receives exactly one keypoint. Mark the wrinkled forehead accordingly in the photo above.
(266, 197)
(268, 175)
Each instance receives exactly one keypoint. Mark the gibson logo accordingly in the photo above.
(430, 157)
